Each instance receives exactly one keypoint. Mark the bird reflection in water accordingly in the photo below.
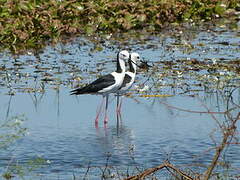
(116, 140)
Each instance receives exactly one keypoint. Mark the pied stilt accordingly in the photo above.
(128, 78)
(106, 84)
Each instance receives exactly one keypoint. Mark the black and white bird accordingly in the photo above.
(128, 78)
(106, 84)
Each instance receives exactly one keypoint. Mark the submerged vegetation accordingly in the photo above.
(11, 130)
(27, 24)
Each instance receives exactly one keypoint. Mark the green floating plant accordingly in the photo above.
(28, 24)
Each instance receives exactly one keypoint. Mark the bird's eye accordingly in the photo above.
(138, 57)
(124, 55)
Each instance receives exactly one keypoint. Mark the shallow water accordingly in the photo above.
(60, 127)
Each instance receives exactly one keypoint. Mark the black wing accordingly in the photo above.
(127, 79)
(96, 85)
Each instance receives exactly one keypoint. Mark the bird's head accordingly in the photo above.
(124, 55)
(134, 57)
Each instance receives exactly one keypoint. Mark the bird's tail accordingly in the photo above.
(73, 92)
(78, 91)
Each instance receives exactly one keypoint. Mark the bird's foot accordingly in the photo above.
(96, 124)
(96, 120)
(105, 120)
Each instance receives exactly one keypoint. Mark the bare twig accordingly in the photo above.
(86, 173)
(191, 111)
(229, 132)
(149, 171)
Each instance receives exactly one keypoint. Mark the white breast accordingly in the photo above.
(118, 82)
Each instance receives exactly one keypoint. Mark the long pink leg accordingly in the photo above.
(106, 107)
(99, 112)
(119, 104)
(117, 109)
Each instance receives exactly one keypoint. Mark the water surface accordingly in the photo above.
(60, 127)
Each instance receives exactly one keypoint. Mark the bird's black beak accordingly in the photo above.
(135, 63)
(144, 65)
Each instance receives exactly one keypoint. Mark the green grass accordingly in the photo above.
(29, 23)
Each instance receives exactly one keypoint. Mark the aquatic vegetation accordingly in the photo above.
(21, 170)
(30, 24)
(11, 130)
(200, 63)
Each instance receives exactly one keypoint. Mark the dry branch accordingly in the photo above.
(229, 132)
(166, 165)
